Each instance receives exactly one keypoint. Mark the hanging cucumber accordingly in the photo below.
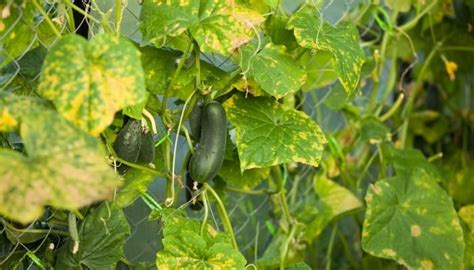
(127, 143)
(147, 148)
(209, 153)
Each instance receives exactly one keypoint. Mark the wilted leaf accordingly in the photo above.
(268, 135)
(342, 42)
(89, 81)
(102, 236)
(412, 208)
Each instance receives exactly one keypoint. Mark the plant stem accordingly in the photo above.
(46, 18)
(285, 247)
(330, 247)
(393, 109)
(205, 201)
(223, 214)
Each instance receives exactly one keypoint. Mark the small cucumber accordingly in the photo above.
(147, 148)
(127, 143)
(208, 156)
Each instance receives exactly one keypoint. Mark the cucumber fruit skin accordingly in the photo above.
(127, 143)
(195, 122)
(147, 148)
(209, 154)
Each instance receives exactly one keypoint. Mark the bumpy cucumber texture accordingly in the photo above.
(127, 143)
(147, 148)
(208, 156)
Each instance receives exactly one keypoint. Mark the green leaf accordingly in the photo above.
(372, 129)
(272, 68)
(216, 26)
(89, 82)
(333, 200)
(246, 180)
(405, 159)
(467, 215)
(298, 266)
(102, 236)
(319, 69)
(159, 66)
(342, 42)
(135, 183)
(411, 220)
(268, 135)
(186, 248)
(64, 166)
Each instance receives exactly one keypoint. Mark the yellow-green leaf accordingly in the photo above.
(267, 134)
(89, 81)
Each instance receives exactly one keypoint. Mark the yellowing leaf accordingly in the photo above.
(267, 134)
(7, 122)
(89, 82)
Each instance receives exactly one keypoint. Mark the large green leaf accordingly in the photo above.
(135, 183)
(342, 42)
(467, 215)
(89, 82)
(411, 220)
(333, 200)
(102, 236)
(217, 26)
(186, 248)
(64, 167)
(272, 68)
(268, 135)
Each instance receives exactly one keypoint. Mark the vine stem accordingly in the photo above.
(331, 245)
(205, 201)
(223, 214)
(82, 12)
(393, 109)
(286, 246)
(46, 18)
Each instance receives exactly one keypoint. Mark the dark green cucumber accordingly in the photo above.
(147, 148)
(195, 122)
(127, 143)
(208, 156)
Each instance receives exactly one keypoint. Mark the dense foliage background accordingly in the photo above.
(350, 134)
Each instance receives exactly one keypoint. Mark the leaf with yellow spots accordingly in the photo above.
(268, 135)
(217, 26)
(185, 248)
(411, 219)
(342, 42)
(89, 82)
(7, 122)
(272, 68)
(467, 215)
(102, 236)
(331, 200)
(64, 167)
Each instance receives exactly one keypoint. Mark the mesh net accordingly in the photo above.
(252, 221)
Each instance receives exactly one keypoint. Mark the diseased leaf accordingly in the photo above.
(319, 69)
(64, 167)
(159, 66)
(89, 82)
(246, 180)
(342, 42)
(405, 159)
(333, 200)
(412, 208)
(272, 68)
(372, 129)
(268, 135)
(467, 215)
(217, 26)
(102, 236)
(184, 247)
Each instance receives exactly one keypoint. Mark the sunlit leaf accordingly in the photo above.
(102, 236)
(89, 81)
(412, 208)
(467, 215)
(342, 42)
(268, 135)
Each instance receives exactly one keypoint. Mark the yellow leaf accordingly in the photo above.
(7, 122)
